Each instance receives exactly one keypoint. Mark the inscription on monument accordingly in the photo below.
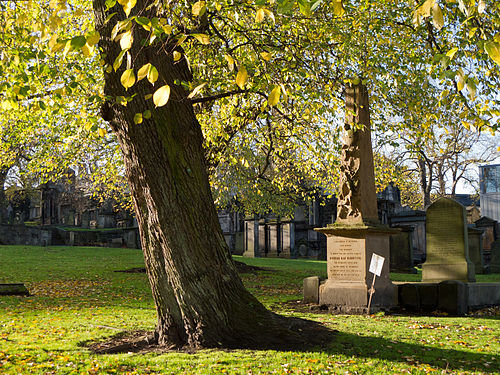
(345, 259)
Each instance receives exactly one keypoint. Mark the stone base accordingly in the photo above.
(343, 294)
(452, 296)
(437, 272)
(13, 290)
(356, 295)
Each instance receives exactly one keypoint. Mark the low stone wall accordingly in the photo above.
(54, 236)
(24, 235)
(128, 238)
(453, 297)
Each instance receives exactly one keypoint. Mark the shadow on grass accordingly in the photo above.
(315, 337)
(397, 351)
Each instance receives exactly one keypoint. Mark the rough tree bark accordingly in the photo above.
(200, 299)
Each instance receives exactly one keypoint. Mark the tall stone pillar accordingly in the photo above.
(356, 234)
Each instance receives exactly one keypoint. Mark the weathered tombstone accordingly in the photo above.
(495, 257)
(476, 254)
(402, 251)
(356, 234)
(447, 243)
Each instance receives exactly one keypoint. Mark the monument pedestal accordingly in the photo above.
(349, 252)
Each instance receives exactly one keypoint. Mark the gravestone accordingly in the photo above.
(476, 253)
(356, 234)
(495, 257)
(447, 243)
(402, 251)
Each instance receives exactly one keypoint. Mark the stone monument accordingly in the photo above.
(447, 243)
(495, 257)
(356, 234)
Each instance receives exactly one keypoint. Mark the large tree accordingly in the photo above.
(285, 65)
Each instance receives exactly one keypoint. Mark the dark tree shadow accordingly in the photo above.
(309, 336)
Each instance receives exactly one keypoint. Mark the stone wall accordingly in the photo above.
(24, 235)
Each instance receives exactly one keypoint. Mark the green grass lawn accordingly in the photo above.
(78, 297)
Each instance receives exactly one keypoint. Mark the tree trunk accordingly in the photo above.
(3, 199)
(425, 186)
(200, 299)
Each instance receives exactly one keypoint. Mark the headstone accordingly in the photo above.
(447, 243)
(356, 234)
(476, 254)
(402, 251)
(495, 257)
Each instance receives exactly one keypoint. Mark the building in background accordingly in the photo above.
(489, 176)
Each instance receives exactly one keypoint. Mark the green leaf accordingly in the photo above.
(78, 42)
(161, 96)
(128, 78)
(138, 118)
(147, 114)
(118, 61)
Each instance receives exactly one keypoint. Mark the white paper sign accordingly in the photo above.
(376, 264)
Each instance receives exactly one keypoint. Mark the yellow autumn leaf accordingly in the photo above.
(199, 8)
(230, 62)
(152, 74)
(338, 8)
(161, 96)
(202, 38)
(437, 17)
(128, 78)
(177, 55)
(101, 132)
(259, 15)
(196, 90)
(274, 96)
(266, 56)
(126, 40)
(143, 71)
(241, 77)
(93, 38)
(127, 5)
(87, 50)
(493, 50)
